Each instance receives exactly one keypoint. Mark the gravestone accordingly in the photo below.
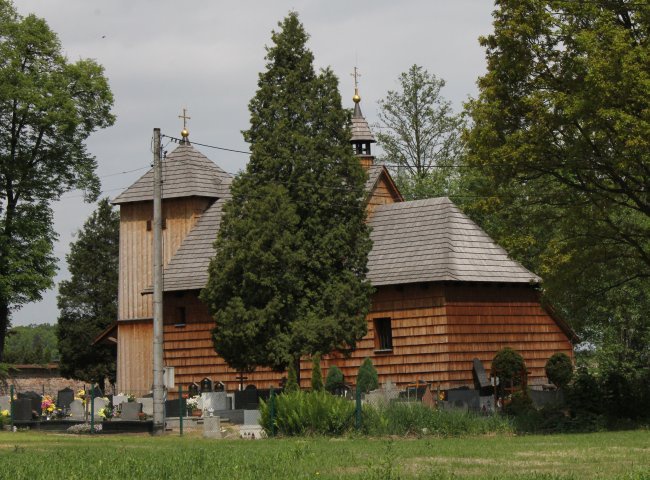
(5, 402)
(219, 386)
(390, 391)
(118, 400)
(77, 410)
(98, 404)
(64, 398)
(147, 405)
(481, 380)
(214, 400)
(22, 408)
(131, 411)
(35, 399)
(193, 390)
(247, 399)
(211, 427)
(464, 398)
(251, 417)
(428, 399)
(206, 385)
(172, 408)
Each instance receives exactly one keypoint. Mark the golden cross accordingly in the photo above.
(185, 118)
(356, 76)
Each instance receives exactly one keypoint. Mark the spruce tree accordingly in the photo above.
(334, 379)
(367, 378)
(292, 380)
(88, 300)
(288, 279)
(316, 374)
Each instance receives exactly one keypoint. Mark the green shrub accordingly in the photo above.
(508, 365)
(308, 413)
(520, 403)
(367, 378)
(334, 379)
(292, 380)
(559, 369)
(316, 374)
(408, 418)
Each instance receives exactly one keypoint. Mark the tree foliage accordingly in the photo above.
(367, 378)
(288, 278)
(508, 364)
(48, 107)
(559, 369)
(88, 301)
(419, 132)
(35, 344)
(292, 380)
(560, 138)
(334, 379)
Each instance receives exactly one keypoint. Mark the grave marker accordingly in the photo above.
(77, 411)
(131, 411)
(64, 398)
(22, 408)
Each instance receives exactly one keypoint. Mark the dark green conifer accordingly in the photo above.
(292, 380)
(334, 379)
(288, 279)
(316, 374)
(367, 378)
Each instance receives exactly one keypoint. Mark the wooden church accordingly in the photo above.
(445, 293)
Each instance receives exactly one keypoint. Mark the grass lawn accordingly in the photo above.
(31, 455)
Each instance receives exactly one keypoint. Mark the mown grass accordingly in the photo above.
(615, 455)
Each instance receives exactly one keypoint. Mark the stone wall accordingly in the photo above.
(41, 379)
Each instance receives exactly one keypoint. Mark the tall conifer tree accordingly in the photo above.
(288, 279)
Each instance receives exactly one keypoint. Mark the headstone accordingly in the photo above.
(251, 417)
(211, 427)
(172, 408)
(481, 380)
(147, 405)
(22, 408)
(35, 399)
(206, 385)
(193, 390)
(219, 386)
(428, 398)
(119, 400)
(390, 390)
(131, 411)
(247, 399)
(64, 398)
(77, 410)
(215, 401)
(98, 404)
(5, 402)
(464, 398)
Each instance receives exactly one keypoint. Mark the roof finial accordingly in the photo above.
(356, 98)
(185, 133)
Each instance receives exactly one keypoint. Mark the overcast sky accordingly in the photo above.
(161, 56)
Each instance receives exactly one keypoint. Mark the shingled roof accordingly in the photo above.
(432, 240)
(360, 129)
(186, 173)
(188, 269)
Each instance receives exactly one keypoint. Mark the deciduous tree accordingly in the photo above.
(48, 107)
(288, 279)
(420, 134)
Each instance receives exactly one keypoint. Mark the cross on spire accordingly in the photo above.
(185, 118)
(355, 74)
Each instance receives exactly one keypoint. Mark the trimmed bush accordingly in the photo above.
(334, 379)
(316, 374)
(559, 369)
(367, 378)
(508, 365)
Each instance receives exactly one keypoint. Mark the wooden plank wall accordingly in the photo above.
(437, 331)
(381, 195)
(482, 319)
(136, 258)
(134, 357)
(136, 248)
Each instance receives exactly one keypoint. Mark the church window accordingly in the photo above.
(180, 317)
(383, 334)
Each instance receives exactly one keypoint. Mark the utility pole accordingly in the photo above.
(158, 387)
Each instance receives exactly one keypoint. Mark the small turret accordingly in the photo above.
(362, 137)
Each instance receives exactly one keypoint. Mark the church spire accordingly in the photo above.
(362, 137)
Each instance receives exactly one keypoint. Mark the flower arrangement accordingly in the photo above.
(106, 412)
(81, 395)
(193, 402)
(129, 396)
(47, 406)
(4, 413)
